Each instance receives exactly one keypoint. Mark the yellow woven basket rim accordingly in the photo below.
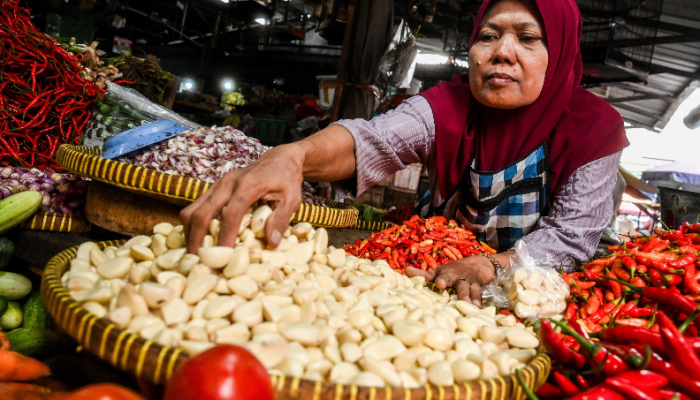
(372, 226)
(86, 161)
(57, 222)
(114, 346)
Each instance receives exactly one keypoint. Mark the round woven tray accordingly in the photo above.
(64, 223)
(372, 226)
(181, 190)
(148, 360)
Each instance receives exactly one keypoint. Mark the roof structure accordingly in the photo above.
(675, 70)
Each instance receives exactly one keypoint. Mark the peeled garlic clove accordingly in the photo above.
(410, 333)
(175, 312)
(116, 268)
(120, 316)
(142, 253)
(306, 334)
(197, 289)
(170, 259)
(156, 295)
(221, 306)
(215, 257)
(257, 223)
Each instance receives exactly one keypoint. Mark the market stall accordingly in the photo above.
(100, 298)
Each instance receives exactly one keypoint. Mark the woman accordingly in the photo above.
(520, 151)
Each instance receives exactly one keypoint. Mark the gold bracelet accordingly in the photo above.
(494, 262)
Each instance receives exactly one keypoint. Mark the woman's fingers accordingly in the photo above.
(205, 211)
(413, 271)
(186, 213)
(476, 294)
(278, 221)
(463, 290)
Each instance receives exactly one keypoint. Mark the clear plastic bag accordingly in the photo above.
(122, 109)
(529, 286)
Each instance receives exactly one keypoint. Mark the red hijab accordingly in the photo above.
(577, 126)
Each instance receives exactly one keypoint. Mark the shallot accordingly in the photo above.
(62, 193)
(203, 153)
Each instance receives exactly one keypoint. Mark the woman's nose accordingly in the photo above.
(504, 51)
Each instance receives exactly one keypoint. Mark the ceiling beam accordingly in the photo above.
(640, 42)
(665, 26)
(638, 98)
(660, 69)
(639, 111)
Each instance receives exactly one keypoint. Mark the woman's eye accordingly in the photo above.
(487, 37)
(529, 38)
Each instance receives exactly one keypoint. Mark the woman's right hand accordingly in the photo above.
(276, 177)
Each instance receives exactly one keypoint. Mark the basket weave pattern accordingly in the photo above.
(86, 161)
(148, 360)
(51, 222)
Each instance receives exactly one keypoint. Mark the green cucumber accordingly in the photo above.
(7, 248)
(17, 208)
(14, 286)
(3, 305)
(33, 342)
(12, 318)
(35, 314)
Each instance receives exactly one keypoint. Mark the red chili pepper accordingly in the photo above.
(549, 392)
(571, 311)
(656, 278)
(619, 271)
(599, 314)
(612, 364)
(633, 392)
(676, 380)
(629, 334)
(678, 349)
(682, 262)
(651, 244)
(566, 386)
(564, 355)
(639, 379)
(599, 392)
(691, 284)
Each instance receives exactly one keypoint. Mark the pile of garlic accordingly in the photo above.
(304, 309)
(536, 292)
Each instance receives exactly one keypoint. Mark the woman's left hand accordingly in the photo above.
(466, 276)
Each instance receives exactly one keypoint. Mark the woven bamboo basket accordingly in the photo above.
(62, 223)
(148, 360)
(372, 226)
(181, 190)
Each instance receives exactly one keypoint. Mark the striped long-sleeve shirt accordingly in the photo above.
(579, 212)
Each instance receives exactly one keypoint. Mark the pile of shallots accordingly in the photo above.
(63, 193)
(203, 153)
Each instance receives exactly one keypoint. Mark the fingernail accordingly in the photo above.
(276, 237)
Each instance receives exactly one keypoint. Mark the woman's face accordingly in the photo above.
(509, 57)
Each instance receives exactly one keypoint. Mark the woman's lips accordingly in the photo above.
(500, 79)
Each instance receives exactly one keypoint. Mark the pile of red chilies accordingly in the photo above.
(43, 100)
(625, 363)
(658, 271)
(419, 243)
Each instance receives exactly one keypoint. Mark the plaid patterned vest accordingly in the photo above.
(502, 206)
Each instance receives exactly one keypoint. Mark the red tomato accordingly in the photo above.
(101, 391)
(224, 372)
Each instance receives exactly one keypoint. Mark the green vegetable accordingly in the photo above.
(7, 248)
(3, 304)
(35, 314)
(17, 208)
(12, 318)
(33, 342)
(104, 108)
(369, 213)
(14, 286)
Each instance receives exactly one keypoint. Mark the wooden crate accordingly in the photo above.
(408, 178)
